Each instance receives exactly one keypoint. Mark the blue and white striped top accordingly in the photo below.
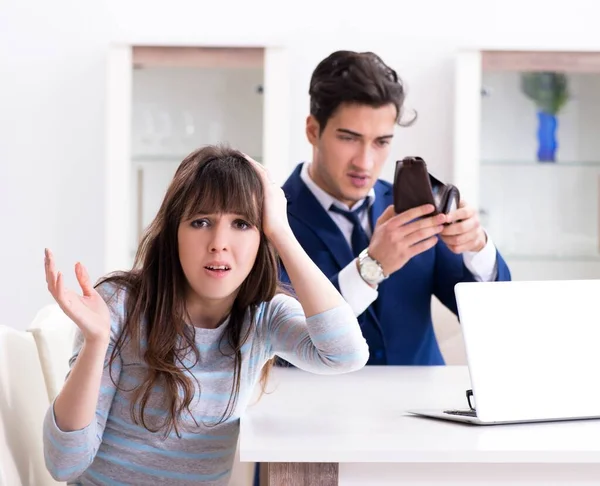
(114, 450)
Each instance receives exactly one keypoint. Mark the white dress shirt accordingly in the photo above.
(358, 293)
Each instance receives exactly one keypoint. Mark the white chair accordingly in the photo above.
(23, 404)
(53, 333)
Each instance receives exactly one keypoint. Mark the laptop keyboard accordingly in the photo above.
(465, 413)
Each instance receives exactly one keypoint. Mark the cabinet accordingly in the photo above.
(164, 102)
(542, 211)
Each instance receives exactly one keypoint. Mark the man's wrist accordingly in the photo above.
(483, 241)
(370, 269)
(373, 286)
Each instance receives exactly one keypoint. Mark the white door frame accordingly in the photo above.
(120, 225)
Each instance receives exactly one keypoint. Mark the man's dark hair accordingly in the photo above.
(354, 77)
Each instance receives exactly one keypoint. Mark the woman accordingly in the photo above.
(168, 354)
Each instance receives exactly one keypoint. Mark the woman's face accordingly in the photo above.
(217, 253)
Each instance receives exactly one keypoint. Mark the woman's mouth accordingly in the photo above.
(217, 270)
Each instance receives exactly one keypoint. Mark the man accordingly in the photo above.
(386, 265)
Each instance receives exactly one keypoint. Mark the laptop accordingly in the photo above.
(533, 352)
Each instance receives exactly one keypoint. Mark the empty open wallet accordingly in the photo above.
(415, 186)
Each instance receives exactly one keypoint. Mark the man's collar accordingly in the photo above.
(325, 199)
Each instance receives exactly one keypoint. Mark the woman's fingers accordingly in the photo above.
(50, 272)
(56, 282)
(84, 280)
(256, 165)
(60, 294)
(261, 169)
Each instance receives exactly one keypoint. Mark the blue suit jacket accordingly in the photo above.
(398, 325)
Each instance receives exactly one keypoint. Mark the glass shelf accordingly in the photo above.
(544, 217)
(532, 163)
(168, 158)
(158, 158)
(542, 214)
(515, 257)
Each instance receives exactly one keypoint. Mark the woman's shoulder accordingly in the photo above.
(280, 306)
(113, 292)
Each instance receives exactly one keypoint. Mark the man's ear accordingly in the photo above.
(312, 130)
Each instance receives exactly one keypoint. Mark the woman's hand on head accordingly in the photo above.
(275, 220)
(88, 311)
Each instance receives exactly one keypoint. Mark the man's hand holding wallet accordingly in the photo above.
(423, 208)
(414, 186)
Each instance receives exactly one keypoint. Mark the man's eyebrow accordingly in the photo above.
(356, 134)
(349, 132)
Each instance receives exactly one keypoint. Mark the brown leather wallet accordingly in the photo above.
(415, 186)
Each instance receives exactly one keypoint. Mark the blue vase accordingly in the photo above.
(546, 134)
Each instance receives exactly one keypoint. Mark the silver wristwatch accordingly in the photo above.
(370, 269)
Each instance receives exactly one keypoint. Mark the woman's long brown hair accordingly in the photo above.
(210, 180)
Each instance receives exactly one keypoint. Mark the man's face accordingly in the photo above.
(349, 155)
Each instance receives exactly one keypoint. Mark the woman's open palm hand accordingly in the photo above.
(88, 311)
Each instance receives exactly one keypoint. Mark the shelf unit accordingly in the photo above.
(124, 181)
(544, 217)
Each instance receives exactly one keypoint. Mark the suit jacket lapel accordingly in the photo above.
(303, 205)
(380, 204)
(382, 195)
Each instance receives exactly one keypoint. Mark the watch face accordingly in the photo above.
(371, 270)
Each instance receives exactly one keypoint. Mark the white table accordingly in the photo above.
(352, 430)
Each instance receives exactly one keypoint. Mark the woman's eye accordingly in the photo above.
(199, 223)
(241, 224)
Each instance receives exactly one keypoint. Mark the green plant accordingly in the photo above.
(548, 90)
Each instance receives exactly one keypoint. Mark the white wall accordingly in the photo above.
(51, 144)
(52, 96)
